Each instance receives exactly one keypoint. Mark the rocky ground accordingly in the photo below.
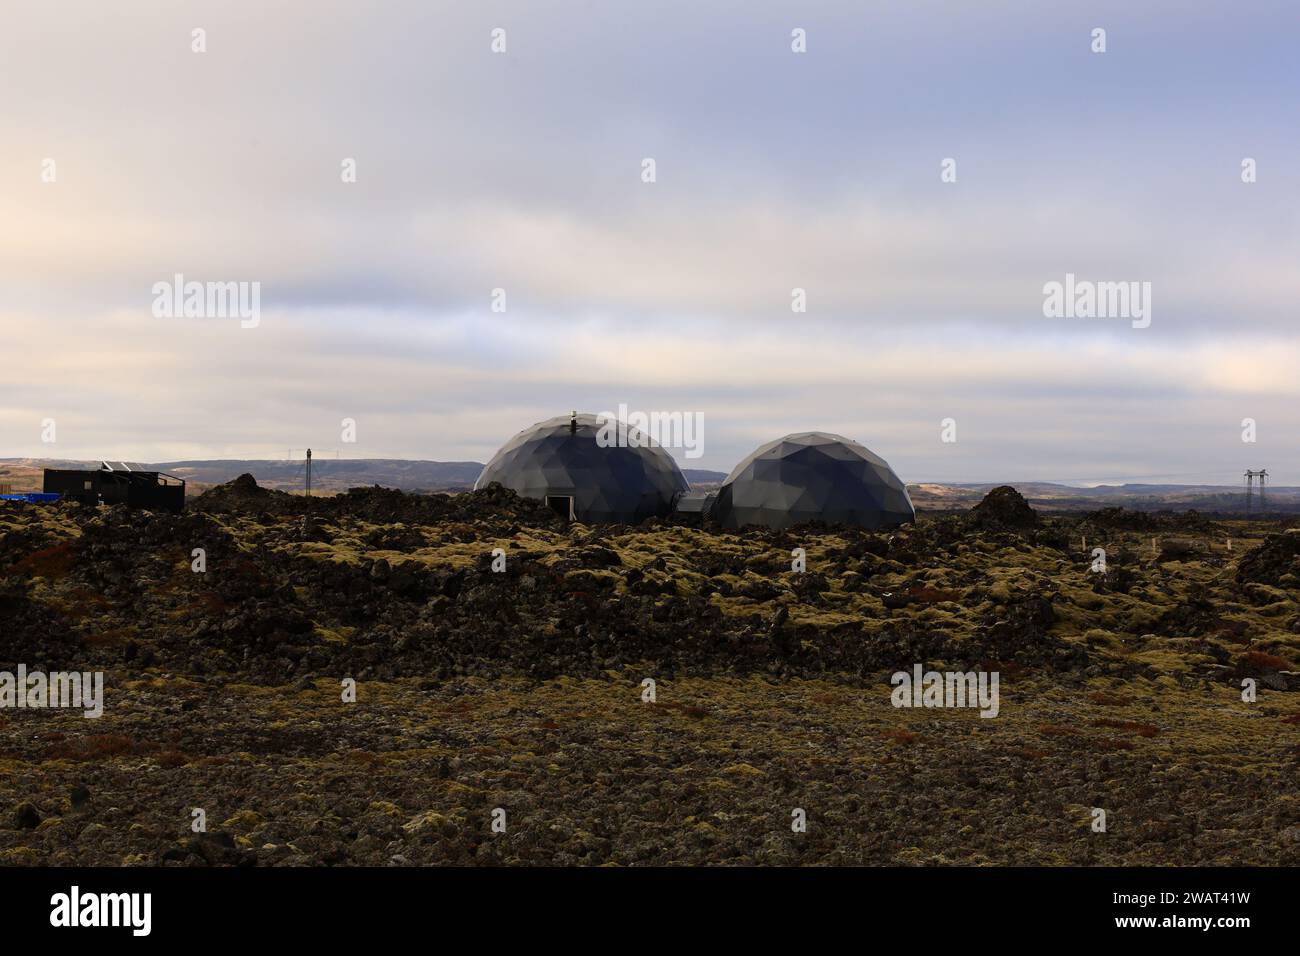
(525, 691)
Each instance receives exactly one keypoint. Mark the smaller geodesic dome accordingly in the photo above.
(570, 463)
(813, 476)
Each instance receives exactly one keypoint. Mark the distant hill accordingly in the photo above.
(336, 475)
(328, 474)
(333, 474)
(702, 476)
(1051, 496)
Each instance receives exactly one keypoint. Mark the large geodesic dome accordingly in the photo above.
(813, 476)
(561, 462)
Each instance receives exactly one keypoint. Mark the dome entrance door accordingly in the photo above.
(562, 505)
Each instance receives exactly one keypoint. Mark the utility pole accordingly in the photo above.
(309, 473)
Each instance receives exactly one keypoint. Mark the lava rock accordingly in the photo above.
(1003, 507)
(26, 816)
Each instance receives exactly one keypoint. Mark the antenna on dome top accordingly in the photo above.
(573, 423)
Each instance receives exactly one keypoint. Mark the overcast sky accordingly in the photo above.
(522, 171)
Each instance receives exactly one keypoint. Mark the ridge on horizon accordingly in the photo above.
(326, 463)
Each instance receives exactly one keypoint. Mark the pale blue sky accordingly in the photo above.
(775, 170)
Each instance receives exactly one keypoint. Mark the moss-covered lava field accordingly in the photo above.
(520, 697)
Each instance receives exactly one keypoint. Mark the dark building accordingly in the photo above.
(813, 476)
(154, 490)
(562, 462)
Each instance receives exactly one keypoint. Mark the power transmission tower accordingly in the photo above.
(1250, 477)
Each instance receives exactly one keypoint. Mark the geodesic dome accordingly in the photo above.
(560, 459)
(813, 476)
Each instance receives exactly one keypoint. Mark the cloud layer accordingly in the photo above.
(775, 170)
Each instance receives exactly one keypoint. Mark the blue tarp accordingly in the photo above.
(34, 498)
